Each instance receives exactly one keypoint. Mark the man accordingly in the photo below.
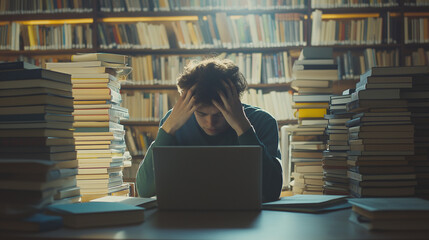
(209, 112)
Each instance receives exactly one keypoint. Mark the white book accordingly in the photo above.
(256, 68)
(316, 27)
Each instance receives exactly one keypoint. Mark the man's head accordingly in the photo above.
(208, 77)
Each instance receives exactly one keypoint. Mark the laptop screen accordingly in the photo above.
(208, 177)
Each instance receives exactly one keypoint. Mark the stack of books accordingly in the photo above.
(313, 74)
(99, 136)
(390, 213)
(37, 151)
(335, 157)
(381, 135)
(418, 105)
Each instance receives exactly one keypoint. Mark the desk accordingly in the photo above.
(231, 225)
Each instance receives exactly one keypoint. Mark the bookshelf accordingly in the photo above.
(95, 15)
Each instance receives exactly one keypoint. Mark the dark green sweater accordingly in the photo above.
(264, 132)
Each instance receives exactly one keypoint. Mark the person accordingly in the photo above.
(209, 112)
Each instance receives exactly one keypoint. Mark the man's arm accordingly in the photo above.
(267, 138)
(145, 180)
(174, 119)
(266, 135)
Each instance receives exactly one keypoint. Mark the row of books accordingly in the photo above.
(138, 141)
(138, 35)
(256, 67)
(155, 69)
(417, 58)
(353, 3)
(251, 30)
(416, 3)
(168, 5)
(44, 6)
(416, 30)
(346, 32)
(67, 36)
(147, 106)
(352, 65)
(278, 104)
(41, 37)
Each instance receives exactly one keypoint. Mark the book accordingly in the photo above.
(389, 71)
(316, 53)
(381, 169)
(45, 117)
(392, 208)
(35, 223)
(97, 214)
(35, 141)
(308, 203)
(36, 132)
(31, 91)
(40, 99)
(106, 57)
(17, 75)
(35, 83)
(311, 98)
(17, 65)
(364, 177)
(35, 109)
(147, 203)
(376, 94)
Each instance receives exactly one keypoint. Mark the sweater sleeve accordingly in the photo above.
(145, 180)
(267, 137)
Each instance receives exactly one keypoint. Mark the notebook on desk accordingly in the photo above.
(208, 177)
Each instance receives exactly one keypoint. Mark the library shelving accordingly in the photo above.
(228, 28)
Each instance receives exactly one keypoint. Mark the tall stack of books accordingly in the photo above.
(335, 157)
(99, 136)
(313, 74)
(418, 105)
(381, 135)
(37, 151)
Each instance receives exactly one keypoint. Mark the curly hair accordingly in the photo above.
(208, 76)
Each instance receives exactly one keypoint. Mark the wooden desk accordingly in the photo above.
(231, 225)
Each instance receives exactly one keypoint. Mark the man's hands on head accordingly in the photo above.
(182, 110)
(231, 108)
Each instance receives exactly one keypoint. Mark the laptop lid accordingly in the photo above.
(208, 177)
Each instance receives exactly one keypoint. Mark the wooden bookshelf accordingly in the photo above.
(98, 17)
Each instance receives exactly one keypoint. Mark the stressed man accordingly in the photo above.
(209, 112)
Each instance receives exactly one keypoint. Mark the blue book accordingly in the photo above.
(35, 223)
(97, 214)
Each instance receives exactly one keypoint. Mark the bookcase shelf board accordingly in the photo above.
(362, 10)
(206, 51)
(359, 47)
(46, 16)
(194, 13)
(47, 52)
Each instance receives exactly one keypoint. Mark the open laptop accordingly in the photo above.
(208, 177)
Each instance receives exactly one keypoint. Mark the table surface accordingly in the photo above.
(230, 225)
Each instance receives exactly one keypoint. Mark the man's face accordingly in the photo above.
(210, 120)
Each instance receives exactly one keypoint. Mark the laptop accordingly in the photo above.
(208, 177)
